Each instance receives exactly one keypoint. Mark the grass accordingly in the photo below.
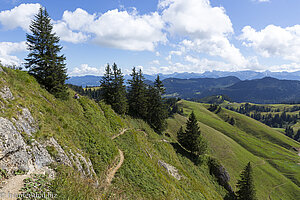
(248, 140)
(84, 126)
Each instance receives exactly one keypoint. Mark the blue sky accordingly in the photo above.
(163, 36)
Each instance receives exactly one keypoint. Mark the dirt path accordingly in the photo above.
(121, 133)
(112, 172)
(12, 187)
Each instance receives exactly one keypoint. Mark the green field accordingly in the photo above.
(270, 152)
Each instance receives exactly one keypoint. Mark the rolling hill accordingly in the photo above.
(271, 153)
(97, 154)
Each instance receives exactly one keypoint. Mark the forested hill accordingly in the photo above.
(188, 88)
(265, 90)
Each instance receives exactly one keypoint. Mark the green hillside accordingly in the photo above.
(84, 126)
(89, 128)
(271, 153)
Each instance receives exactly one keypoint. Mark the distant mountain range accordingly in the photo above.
(243, 86)
(90, 80)
(265, 90)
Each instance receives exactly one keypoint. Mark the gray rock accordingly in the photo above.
(25, 122)
(170, 169)
(84, 166)
(61, 155)
(6, 94)
(13, 154)
(1, 70)
(41, 156)
(76, 161)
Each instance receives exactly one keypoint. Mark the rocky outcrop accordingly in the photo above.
(25, 122)
(20, 152)
(1, 70)
(170, 169)
(83, 165)
(5, 93)
(16, 155)
(219, 171)
(60, 155)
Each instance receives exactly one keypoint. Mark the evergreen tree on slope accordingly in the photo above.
(245, 185)
(137, 96)
(43, 61)
(192, 139)
(113, 89)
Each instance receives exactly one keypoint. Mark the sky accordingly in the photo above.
(161, 36)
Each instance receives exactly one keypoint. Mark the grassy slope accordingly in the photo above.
(248, 141)
(86, 127)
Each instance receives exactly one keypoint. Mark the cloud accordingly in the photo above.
(66, 34)
(19, 16)
(119, 29)
(155, 62)
(274, 41)
(7, 48)
(85, 69)
(261, 1)
(195, 18)
(206, 28)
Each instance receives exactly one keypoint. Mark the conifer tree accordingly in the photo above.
(106, 85)
(119, 102)
(43, 60)
(159, 85)
(113, 89)
(192, 139)
(181, 137)
(245, 186)
(137, 96)
(156, 110)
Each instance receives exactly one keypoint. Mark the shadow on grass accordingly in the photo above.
(192, 157)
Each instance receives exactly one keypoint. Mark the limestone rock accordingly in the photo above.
(170, 169)
(41, 156)
(61, 156)
(6, 94)
(12, 147)
(25, 122)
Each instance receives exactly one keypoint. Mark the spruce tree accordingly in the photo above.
(193, 140)
(43, 60)
(113, 89)
(159, 85)
(119, 102)
(245, 186)
(156, 110)
(181, 137)
(106, 85)
(137, 96)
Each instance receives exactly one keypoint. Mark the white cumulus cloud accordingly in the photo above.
(274, 41)
(7, 49)
(208, 28)
(119, 29)
(66, 34)
(85, 69)
(19, 16)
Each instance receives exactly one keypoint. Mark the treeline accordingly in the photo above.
(91, 92)
(278, 120)
(138, 100)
